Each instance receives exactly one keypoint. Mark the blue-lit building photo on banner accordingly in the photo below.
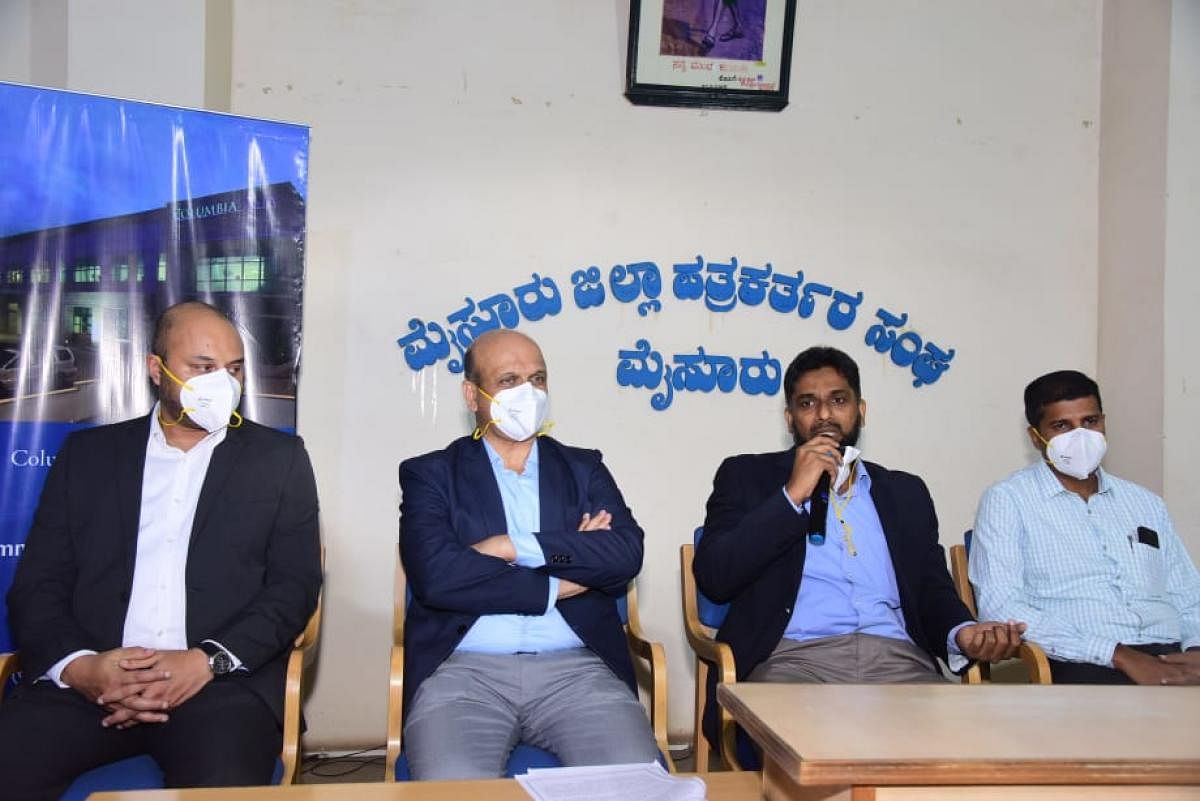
(110, 211)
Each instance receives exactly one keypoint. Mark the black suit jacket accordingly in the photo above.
(451, 500)
(752, 557)
(253, 567)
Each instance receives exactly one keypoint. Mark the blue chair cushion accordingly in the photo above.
(710, 613)
(135, 773)
(967, 539)
(522, 758)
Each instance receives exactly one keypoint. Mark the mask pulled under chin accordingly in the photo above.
(518, 412)
(1076, 453)
(849, 457)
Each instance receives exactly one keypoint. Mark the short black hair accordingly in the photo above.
(469, 365)
(1058, 386)
(814, 359)
(166, 321)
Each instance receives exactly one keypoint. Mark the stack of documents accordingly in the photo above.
(648, 782)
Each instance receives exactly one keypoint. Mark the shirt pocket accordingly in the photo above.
(1150, 569)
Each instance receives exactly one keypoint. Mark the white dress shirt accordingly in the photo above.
(171, 483)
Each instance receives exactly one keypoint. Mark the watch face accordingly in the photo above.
(220, 663)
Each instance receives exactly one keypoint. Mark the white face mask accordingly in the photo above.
(1076, 452)
(849, 456)
(209, 399)
(519, 412)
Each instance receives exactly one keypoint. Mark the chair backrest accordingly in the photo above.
(709, 612)
(959, 564)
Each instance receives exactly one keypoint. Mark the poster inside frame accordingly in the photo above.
(710, 53)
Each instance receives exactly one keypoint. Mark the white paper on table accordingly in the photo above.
(638, 782)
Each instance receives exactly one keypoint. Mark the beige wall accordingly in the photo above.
(943, 157)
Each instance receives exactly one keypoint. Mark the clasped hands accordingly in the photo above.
(990, 641)
(501, 546)
(138, 685)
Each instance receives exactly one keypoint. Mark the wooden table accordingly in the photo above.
(876, 742)
(721, 787)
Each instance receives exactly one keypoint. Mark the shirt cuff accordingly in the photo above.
(553, 594)
(529, 550)
(955, 658)
(237, 663)
(800, 508)
(55, 672)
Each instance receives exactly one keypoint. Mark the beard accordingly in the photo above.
(845, 438)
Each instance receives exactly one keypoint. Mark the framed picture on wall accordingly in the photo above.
(710, 53)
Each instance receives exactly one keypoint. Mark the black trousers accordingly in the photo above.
(1088, 673)
(223, 736)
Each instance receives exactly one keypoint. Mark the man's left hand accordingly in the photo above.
(1188, 661)
(187, 673)
(989, 641)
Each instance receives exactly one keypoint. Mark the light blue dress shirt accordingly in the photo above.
(508, 634)
(843, 594)
(1077, 572)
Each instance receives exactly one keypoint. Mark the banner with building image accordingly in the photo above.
(110, 211)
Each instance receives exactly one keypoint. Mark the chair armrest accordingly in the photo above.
(9, 664)
(395, 713)
(290, 755)
(1035, 663)
(655, 657)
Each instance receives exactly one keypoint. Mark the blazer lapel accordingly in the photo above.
(480, 490)
(553, 489)
(130, 467)
(885, 507)
(222, 465)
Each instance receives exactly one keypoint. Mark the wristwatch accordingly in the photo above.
(219, 660)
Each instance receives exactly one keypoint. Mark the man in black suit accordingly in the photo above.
(172, 560)
(863, 598)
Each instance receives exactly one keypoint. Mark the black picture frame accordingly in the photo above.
(721, 72)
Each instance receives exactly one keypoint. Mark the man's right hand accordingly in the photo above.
(1147, 669)
(102, 679)
(819, 455)
(569, 589)
(110, 677)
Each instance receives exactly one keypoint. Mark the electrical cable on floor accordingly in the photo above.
(341, 765)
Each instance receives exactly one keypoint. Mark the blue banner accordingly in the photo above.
(110, 211)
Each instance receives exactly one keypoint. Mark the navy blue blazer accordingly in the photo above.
(254, 558)
(754, 545)
(450, 499)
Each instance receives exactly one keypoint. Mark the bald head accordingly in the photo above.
(497, 341)
(186, 313)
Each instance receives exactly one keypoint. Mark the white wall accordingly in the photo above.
(942, 157)
(1181, 443)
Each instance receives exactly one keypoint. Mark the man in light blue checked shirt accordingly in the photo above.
(1089, 561)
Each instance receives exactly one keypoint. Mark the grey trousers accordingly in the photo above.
(468, 716)
(848, 659)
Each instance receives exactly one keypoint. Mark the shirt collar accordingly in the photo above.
(531, 463)
(1049, 485)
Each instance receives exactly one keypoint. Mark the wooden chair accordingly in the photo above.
(649, 662)
(701, 618)
(1036, 664)
(142, 772)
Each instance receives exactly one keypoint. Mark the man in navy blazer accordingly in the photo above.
(864, 598)
(516, 548)
(172, 560)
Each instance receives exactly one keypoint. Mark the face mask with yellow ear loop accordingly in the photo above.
(518, 412)
(1077, 452)
(209, 400)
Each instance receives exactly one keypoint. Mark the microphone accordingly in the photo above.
(818, 507)
(818, 510)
